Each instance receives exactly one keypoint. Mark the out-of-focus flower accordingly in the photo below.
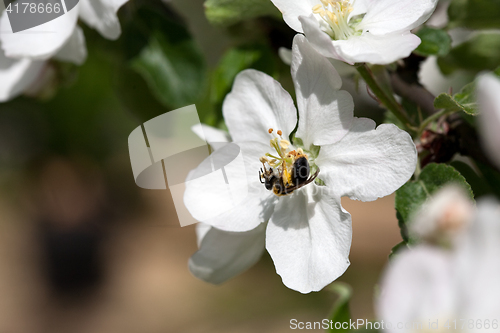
(17, 75)
(45, 40)
(353, 31)
(23, 53)
(307, 232)
(442, 219)
(488, 94)
(428, 282)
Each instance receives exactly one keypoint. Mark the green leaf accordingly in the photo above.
(464, 101)
(448, 102)
(168, 58)
(340, 312)
(481, 52)
(237, 59)
(397, 248)
(467, 99)
(411, 196)
(474, 14)
(227, 12)
(434, 42)
(479, 185)
(255, 56)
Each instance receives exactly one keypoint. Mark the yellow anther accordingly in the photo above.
(264, 159)
(317, 9)
(332, 17)
(285, 144)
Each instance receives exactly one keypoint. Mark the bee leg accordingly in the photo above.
(260, 177)
(312, 177)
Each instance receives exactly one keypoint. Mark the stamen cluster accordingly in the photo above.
(336, 13)
(283, 163)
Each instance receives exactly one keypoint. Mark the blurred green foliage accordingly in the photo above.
(170, 61)
(474, 14)
(255, 56)
(340, 312)
(481, 52)
(434, 42)
(227, 12)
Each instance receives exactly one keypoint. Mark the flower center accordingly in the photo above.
(337, 15)
(289, 168)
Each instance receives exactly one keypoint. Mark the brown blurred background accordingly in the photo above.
(139, 280)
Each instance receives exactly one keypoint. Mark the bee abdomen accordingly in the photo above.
(301, 170)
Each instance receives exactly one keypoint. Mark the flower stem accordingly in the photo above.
(387, 100)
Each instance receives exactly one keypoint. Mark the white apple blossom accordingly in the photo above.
(443, 218)
(354, 31)
(429, 283)
(23, 54)
(307, 233)
(488, 94)
(45, 40)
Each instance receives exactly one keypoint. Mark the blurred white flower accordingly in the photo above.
(17, 75)
(22, 54)
(488, 94)
(307, 233)
(376, 32)
(429, 283)
(443, 218)
(45, 40)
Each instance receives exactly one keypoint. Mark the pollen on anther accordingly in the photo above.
(270, 130)
(280, 133)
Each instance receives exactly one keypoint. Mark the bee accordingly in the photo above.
(282, 185)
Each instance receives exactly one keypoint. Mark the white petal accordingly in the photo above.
(292, 9)
(16, 75)
(239, 205)
(381, 50)
(223, 255)
(488, 90)
(309, 238)
(74, 50)
(368, 163)
(285, 55)
(201, 231)
(256, 103)
(213, 136)
(40, 42)
(319, 39)
(478, 264)
(388, 16)
(360, 7)
(417, 286)
(325, 113)
(101, 15)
